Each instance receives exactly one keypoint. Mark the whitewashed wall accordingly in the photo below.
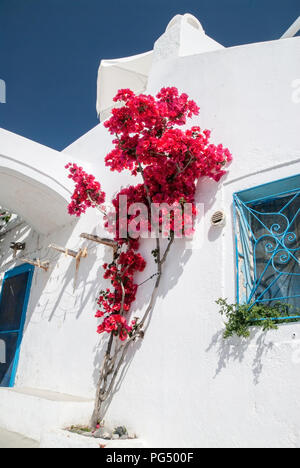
(184, 386)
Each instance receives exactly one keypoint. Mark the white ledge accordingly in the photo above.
(31, 412)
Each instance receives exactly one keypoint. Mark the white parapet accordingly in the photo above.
(293, 30)
(127, 72)
(32, 412)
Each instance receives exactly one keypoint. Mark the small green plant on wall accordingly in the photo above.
(240, 318)
(5, 217)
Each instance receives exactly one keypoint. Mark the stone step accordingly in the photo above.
(13, 440)
(30, 412)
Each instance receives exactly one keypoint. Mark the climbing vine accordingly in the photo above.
(5, 217)
(168, 161)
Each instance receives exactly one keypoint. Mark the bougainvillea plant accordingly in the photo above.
(168, 161)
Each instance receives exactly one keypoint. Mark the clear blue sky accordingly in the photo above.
(50, 51)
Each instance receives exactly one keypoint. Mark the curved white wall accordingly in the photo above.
(33, 182)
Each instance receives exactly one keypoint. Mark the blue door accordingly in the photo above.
(13, 306)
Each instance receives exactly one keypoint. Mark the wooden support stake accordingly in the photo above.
(82, 253)
(43, 265)
(100, 240)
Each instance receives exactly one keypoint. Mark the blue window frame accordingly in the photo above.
(14, 299)
(267, 226)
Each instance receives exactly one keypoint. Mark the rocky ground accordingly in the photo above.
(119, 432)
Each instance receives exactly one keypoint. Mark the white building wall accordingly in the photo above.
(212, 393)
(59, 322)
(184, 386)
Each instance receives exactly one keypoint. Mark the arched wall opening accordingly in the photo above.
(38, 204)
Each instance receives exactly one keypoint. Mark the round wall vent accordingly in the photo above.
(218, 218)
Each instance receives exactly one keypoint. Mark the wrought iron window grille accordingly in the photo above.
(267, 237)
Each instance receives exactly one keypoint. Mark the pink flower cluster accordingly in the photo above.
(87, 190)
(113, 304)
(171, 160)
(133, 194)
(116, 324)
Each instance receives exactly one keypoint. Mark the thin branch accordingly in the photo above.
(123, 298)
(146, 186)
(146, 281)
(102, 378)
(111, 385)
(180, 171)
(95, 205)
(155, 290)
(168, 248)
